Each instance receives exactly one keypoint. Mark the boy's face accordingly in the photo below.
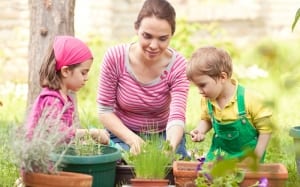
(208, 87)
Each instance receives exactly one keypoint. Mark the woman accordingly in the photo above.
(143, 85)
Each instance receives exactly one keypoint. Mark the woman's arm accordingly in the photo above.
(174, 135)
(179, 87)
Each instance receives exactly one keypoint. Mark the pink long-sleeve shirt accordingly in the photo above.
(159, 104)
(52, 105)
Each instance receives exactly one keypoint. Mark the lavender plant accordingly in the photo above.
(32, 152)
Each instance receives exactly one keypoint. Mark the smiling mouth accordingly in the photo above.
(152, 53)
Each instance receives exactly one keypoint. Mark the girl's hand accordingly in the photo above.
(100, 135)
(197, 136)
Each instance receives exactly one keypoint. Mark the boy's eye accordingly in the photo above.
(201, 85)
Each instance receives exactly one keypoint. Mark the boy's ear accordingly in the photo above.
(64, 71)
(224, 75)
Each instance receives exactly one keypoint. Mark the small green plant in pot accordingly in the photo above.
(87, 156)
(153, 162)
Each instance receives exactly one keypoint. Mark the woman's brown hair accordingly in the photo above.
(161, 9)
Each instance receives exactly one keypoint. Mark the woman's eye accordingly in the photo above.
(146, 36)
(164, 38)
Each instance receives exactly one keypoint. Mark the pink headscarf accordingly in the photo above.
(69, 50)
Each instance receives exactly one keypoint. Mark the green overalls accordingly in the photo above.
(232, 139)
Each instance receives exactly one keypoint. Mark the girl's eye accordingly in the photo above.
(84, 72)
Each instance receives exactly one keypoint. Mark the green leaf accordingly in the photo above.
(240, 175)
(296, 19)
(221, 168)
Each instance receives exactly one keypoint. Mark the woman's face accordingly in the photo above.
(154, 37)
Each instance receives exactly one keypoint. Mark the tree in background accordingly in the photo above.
(47, 19)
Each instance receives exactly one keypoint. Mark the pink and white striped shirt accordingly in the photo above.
(159, 104)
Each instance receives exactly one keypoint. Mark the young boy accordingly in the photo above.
(239, 118)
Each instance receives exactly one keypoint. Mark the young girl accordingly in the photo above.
(65, 68)
(240, 120)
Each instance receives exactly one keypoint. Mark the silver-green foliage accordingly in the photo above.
(31, 151)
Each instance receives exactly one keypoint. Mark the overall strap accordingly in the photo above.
(240, 100)
(210, 109)
(240, 103)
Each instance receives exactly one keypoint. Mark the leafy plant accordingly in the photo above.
(223, 173)
(31, 151)
(218, 174)
(154, 159)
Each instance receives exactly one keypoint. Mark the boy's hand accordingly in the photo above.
(197, 136)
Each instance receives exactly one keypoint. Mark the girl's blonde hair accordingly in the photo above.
(209, 61)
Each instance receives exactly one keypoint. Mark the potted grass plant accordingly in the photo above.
(152, 165)
(32, 154)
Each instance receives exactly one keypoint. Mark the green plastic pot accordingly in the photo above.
(295, 133)
(102, 167)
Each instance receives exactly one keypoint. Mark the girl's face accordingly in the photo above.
(154, 37)
(208, 87)
(76, 78)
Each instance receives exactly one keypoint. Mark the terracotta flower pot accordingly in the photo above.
(149, 182)
(185, 172)
(62, 179)
(124, 173)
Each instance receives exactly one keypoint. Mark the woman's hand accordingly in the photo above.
(136, 144)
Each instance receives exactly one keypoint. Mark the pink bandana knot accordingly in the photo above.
(69, 50)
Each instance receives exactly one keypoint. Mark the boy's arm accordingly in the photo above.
(263, 140)
(198, 134)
